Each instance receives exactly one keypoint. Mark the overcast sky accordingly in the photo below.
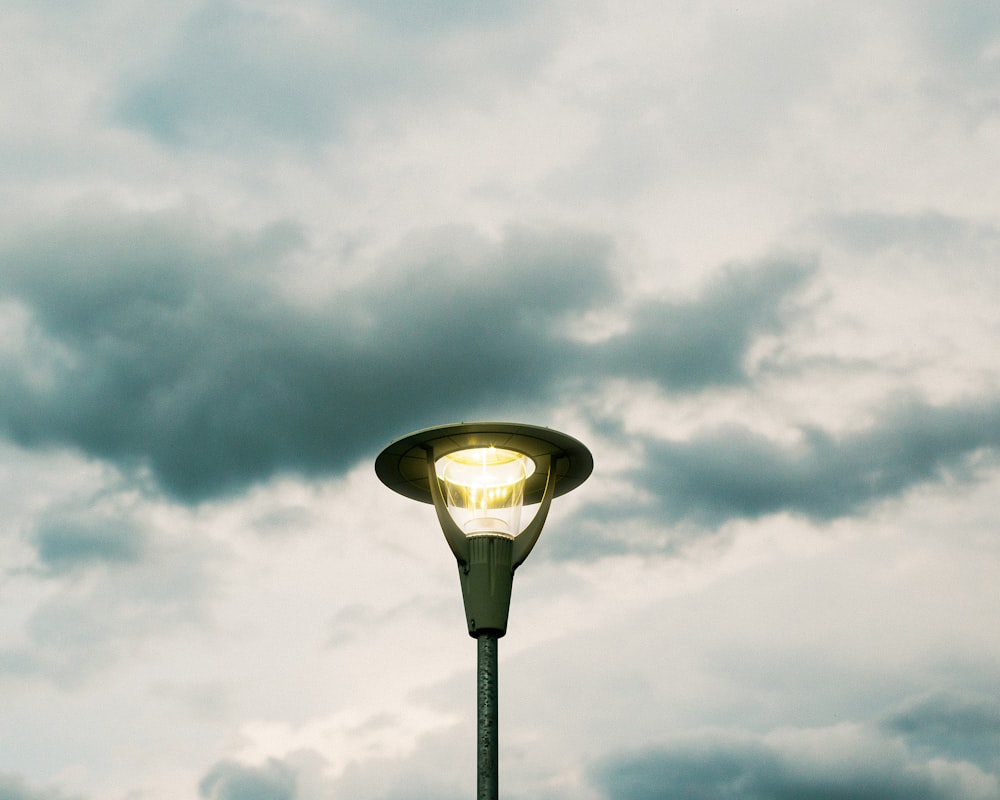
(749, 253)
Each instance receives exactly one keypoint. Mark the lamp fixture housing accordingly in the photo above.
(478, 475)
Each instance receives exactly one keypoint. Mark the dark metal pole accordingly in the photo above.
(488, 751)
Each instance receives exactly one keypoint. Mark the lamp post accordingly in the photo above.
(478, 476)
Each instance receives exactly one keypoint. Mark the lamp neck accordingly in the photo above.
(487, 578)
(487, 560)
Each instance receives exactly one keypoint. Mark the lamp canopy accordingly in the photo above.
(402, 466)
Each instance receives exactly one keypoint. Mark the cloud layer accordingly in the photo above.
(153, 342)
(734, 472)
(840, 764)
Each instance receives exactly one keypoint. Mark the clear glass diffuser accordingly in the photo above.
(484, 488)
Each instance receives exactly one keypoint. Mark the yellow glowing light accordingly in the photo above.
(484, 488)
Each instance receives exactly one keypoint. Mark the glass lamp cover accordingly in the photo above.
(484, 488)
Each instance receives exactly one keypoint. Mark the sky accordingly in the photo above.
(746, 252)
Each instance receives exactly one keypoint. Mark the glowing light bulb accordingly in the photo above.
(484, 488)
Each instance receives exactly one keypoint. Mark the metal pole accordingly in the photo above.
(488, 751)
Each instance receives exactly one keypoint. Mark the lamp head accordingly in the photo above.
(478, 476)
(402, 466)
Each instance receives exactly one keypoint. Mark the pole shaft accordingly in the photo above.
(488, 750)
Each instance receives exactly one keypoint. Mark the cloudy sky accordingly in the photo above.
(747, 252)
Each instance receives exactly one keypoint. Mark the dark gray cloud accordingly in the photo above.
(965, 726)
(166, 349)
(693, 345)
(931, 232)
(12, 787)
(754, 770)
(954, 56)
(159, 343)
(229, 780)
(237, 75)
(66, 540)
(961, 34)
(113, 581)
(734, 472)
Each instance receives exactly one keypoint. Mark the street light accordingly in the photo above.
(478, 476)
